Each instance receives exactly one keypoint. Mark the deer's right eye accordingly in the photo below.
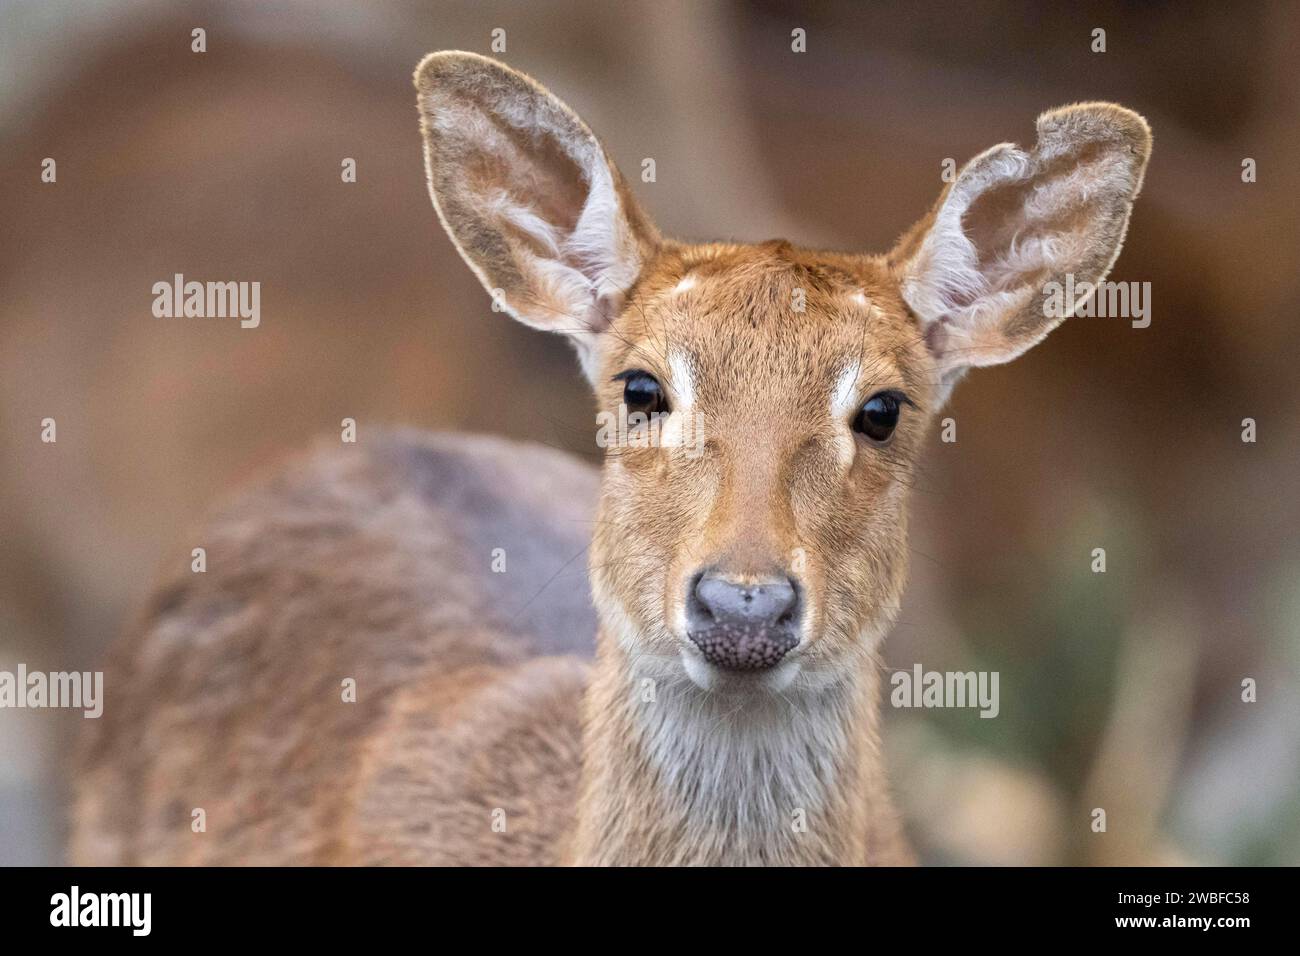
(642, 393)
(878, 416)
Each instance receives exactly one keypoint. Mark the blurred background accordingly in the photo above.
(1120, 690)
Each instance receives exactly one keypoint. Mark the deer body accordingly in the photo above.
(747, 554)
(359, 563)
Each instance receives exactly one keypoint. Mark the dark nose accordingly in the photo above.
(743, 626)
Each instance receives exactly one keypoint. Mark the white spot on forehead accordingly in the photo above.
(844, 402)
(687, 283)
(844, 397)
(679, 365)
(859, 297)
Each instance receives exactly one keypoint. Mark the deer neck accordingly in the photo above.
(676, 775)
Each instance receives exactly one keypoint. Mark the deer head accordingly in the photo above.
(752, 525)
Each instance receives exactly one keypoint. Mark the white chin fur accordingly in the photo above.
(707, 677)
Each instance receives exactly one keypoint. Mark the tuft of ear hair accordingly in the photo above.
(529, 197)
(981, 271)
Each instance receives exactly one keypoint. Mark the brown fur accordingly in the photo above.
(374, 563)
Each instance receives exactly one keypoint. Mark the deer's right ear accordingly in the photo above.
(529, 197)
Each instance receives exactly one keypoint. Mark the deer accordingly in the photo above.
(715, 698)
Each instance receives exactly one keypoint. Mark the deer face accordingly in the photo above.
(762, 407)
(759, 533)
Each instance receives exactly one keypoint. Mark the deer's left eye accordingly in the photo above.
(642, 393)
(878, 416)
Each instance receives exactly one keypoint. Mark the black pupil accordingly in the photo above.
(878, 417)
(641, 393)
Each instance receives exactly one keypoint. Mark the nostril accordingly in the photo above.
(698, 612)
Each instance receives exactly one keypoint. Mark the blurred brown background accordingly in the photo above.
(1119, 690)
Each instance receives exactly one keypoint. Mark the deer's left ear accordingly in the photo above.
(978, 272)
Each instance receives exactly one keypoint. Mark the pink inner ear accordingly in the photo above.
(606, 308)
(507, 169)
(1029, 230)
(935, 335)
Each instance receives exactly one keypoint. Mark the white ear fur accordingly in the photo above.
(529, 197)
(1015, 222)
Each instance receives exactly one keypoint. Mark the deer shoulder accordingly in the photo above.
(373, 611)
